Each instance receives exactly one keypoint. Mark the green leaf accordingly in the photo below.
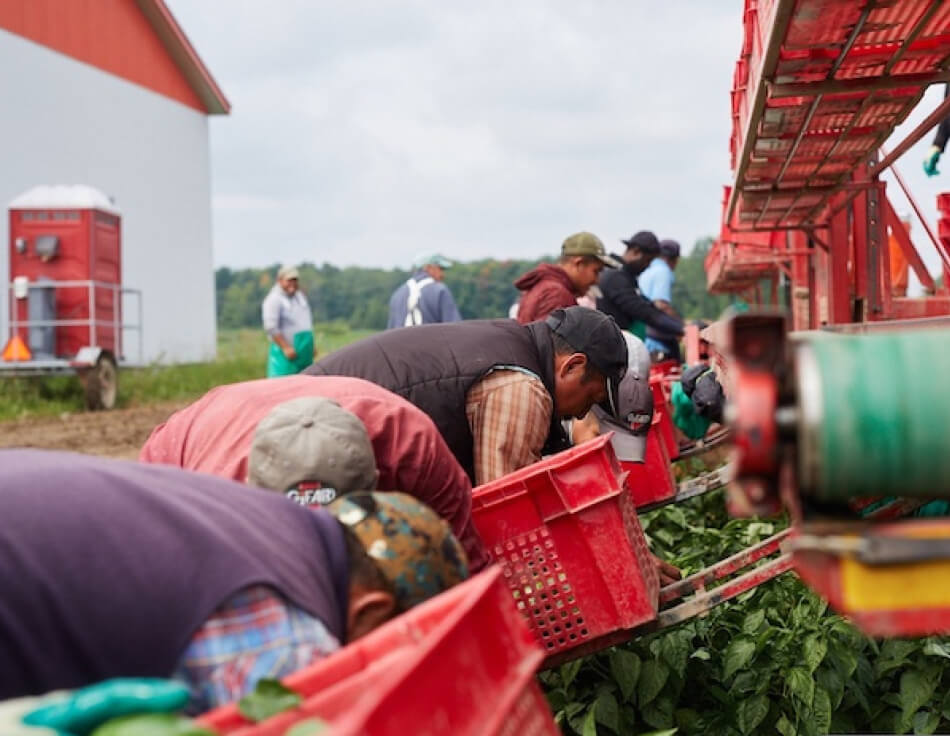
(268, 698)
(625, 669)
(674, 650)
(926, 722)
(822, 710)
(945, 706)
(801, 685)
(844, 660)
(746, 682)
(814, 651)
(607, 712)
(785, 727)
(686, 718)
(753, 622)
(308, 727)
(894, 654)
(569, 671)
(831, 681)
(935, 648)
(916, 689)
(589, 727)
(701, 653)
(738, 654)
(664, 732)
(751, 712)
(653, 676)
(659, 713)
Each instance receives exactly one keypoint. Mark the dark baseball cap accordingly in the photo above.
(644, 240)
(670, 248)
(597, 336)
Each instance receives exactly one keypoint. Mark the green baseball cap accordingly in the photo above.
(588, 244)
(432, 259)
(411, 545)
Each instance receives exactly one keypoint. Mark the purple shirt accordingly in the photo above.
(108, 568)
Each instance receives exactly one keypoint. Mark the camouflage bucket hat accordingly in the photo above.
(413, 548)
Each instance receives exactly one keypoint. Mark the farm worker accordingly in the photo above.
(117, 569)
(289, 325)
(558, 285)
(497, 390)
(621, 297)
(656, 284)
(318, 437)
(424, 299)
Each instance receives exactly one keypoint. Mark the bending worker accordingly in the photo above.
(496, 390)
(117, 569)
(315, 438)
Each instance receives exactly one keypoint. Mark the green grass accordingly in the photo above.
(242, 356)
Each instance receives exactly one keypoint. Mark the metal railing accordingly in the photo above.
(116, 324)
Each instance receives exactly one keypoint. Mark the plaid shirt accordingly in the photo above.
(255, 634)
(509, 412)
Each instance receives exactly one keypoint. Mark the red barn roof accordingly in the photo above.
(137, 40)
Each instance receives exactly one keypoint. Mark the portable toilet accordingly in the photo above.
(66, 271)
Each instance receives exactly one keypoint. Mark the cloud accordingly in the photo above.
(365, 131)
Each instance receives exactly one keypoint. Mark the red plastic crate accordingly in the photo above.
(663, 416)
(461, 663)
(566, 534)
(652, 480)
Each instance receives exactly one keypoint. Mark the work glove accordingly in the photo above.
(930, 162)
(708, 397)
(85, 710)
(690, 376)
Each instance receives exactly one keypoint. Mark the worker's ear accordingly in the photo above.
(572, 365)
(367, 610)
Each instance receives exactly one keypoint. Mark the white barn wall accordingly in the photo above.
(65, 122)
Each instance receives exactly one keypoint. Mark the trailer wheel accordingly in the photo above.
(101, 383)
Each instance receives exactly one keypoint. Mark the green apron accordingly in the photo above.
(277, 363)
(638, 329)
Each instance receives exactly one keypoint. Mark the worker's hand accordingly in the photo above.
(584, 429)
(666, 572)
(930, 162)
(81, 711)
(289, 352)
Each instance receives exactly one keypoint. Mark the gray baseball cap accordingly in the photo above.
(313, 450)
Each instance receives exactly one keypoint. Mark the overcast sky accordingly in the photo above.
(365, 131)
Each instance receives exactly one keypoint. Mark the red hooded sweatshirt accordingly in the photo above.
(545, 288)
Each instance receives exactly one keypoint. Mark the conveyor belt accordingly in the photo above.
(819, 87)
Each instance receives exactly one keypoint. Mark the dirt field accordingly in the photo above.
(118, 433)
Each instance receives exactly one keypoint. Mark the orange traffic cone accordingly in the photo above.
(16, 350)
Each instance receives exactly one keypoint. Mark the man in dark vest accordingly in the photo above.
(115, 569)
(496, 390)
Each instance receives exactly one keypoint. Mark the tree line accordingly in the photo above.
(482, 289)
